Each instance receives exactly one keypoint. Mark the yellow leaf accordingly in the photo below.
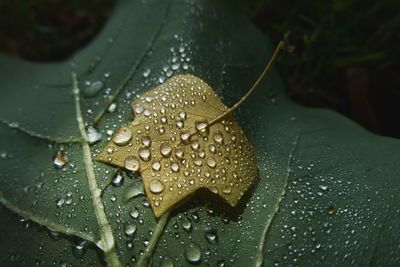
(184, 138)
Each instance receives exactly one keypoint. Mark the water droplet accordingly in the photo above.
(182, 115)
(117, 180)
(144, 153)
(323, 187)
(218, 137)
(175, 167)
(187, 225)
(227, 190)
(138, 109)
(130, 229)
(165, 150)
(212, 148)
(60, 202)
(146, 140)
(331, 210)
(112, 107)
(79, 250)
(156, 186)
(134, 213)
(167, 263)
(211, 162)
(93, 89)
(156, 166)
(146, 72)
(60, 160)
(195, 144)
(211, 236)
(179, 153)
(185, 137)
(93, 135)
(193, 253)
(132, 163)
(133, 191)
(201, 126)
(122, 137)
(3, 155)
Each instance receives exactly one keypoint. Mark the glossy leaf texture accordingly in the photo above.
(327, 192)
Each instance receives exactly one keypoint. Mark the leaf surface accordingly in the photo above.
(327, 194)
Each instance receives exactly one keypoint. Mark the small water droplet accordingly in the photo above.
(156, 186)
(165, 149)
(134, 213)
(211, 162)
(132, 163)
(211, 236)
(146, 72)
(185, 137)
(60, 160)
(93, 135)
(175, 167)
(179, 153)
(227, 190)
(146, 140)
(187, 225)
(331, 210)
(122, 137)
(218, 137)
(156, 166)
(138, 109)
(201, 126)
(112, 107)
(144, 153)
(193, 253)
(93, 89)
(117, 180)
(182, 115)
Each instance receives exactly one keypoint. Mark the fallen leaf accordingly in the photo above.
(177, 152)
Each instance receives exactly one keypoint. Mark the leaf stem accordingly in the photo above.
(145, 259)
(278, 49)
(106, 235)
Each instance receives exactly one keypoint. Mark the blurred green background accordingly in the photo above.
(343, 54)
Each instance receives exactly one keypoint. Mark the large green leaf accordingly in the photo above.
(328, 191)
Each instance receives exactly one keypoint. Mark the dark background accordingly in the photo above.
(343, 55)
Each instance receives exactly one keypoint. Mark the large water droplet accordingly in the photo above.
(185, 137)
(130, 229)
(132, 163)
(144, 153)
(122, 137)
(193, 253)
(165, 150)
(156, 186)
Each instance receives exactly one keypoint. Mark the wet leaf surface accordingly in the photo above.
(327, 194)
